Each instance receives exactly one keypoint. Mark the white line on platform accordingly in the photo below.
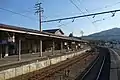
(116, 54)
(113, 72)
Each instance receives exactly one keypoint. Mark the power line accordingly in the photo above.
(76, 6)
(75, 17)
(65, 24)
(79, 1)
(60, 24)
(113, 14)
(107, 6)
(81, 11)
(88, 13)
(105, 18)
(17, 13)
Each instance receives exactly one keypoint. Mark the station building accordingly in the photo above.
(16, 40)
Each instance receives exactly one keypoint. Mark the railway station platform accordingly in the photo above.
(25, 50)
(10, 67)
(28, 57)
(115, 65)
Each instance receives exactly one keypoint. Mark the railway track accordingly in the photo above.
(98, 69)
(103, 62)
(61, 66)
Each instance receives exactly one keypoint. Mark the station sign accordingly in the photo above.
(11, 39)
(3, 41)
(73, 42)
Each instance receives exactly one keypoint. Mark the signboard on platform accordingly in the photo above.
(3, 41)
(11, 39)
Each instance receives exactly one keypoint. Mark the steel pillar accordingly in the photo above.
(19, 49)
(40, 55)
(6, 50)
(61, 47)
(53, 47)
(0, 51)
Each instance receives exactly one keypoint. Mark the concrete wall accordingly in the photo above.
(13, 72)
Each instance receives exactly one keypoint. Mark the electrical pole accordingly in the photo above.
(39, 11)
(81, 32)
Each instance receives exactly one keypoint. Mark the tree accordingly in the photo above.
(71, 34)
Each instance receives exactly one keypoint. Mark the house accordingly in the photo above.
(54, 31)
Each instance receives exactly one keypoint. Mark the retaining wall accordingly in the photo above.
(23, 69)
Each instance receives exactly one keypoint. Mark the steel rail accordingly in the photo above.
(100, 70)
(103, 62)
(61, 66)
(90, 68)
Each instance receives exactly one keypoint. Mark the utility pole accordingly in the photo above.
(81, 32)
(39, 11)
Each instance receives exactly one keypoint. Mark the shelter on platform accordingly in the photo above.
(17, 40)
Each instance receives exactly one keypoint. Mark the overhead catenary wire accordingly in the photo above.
(60, 18)
(107, 6)
(79, 16)
(18, 13)
(88, 12)
(76, 6)
(113, 14)
(65, 24)
(60, 24)
(87, 17)
(104, 7)
(81, 11)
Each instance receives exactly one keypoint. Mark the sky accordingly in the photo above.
(54, 9)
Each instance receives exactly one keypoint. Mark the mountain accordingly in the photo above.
(111, 34)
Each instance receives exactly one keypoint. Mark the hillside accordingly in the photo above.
(111, 34)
